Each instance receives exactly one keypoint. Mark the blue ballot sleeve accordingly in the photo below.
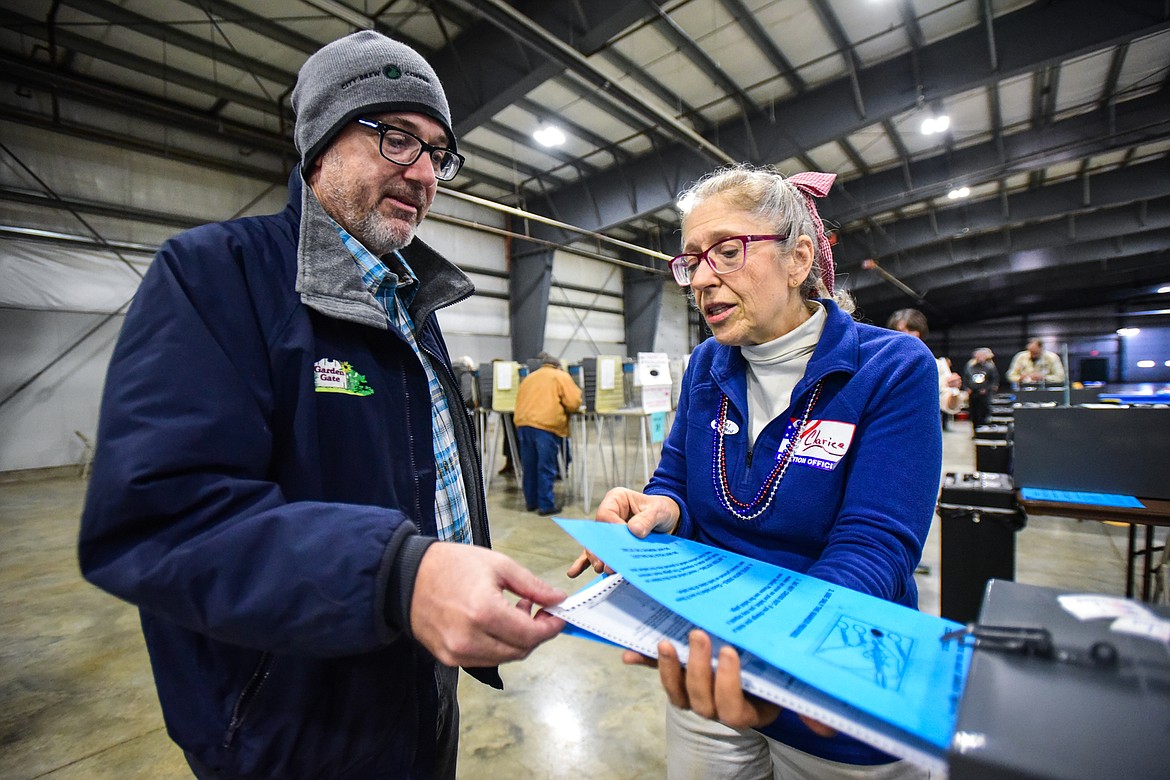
(1080, 497)
(884, 659)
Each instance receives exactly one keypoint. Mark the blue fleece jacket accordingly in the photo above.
(854, 506)
(263, 490)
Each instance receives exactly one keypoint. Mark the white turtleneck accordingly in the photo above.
(774, 368)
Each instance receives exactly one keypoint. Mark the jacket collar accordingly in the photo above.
(328, 279)
(839, 350)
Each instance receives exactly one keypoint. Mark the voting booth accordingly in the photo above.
(603, 383)
(499, 385)
(652, 380)
(505, 385)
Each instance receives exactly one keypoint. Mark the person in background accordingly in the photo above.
(980, 381)
(507, 469)
(781, 451)
(467, 377)
(544, 401)
(950, 398)
(1035, 365)
(286, 476)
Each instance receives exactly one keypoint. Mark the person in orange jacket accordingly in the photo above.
(546, 398)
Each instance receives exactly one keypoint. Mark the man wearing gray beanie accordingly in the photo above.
(286, 481)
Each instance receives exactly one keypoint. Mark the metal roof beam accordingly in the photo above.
(138, 64)
(760, 37)
(229, 12)
(1115, 233)
(1025, 40)
(136, 105)
(169, 33)
(655, 87)
(702, 61)
(1093, 282)
(1118, 187)
(532, 33)
(1135, 122)
(165, 151)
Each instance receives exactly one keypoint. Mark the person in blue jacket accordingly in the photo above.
(802, 438)
(286, 477)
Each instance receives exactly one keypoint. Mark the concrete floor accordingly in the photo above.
(77, 698)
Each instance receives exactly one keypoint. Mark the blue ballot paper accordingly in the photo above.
(870, 668)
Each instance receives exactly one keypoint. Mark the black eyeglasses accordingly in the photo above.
(403, 148)
(724, 256)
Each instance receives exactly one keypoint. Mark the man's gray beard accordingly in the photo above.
(378, 234)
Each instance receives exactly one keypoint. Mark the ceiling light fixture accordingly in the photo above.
(935, 124)
(959, 192)
(1128, 331)
(1146, 364)
(549, 135)
(1163, 290)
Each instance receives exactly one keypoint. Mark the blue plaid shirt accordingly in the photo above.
(451, 513)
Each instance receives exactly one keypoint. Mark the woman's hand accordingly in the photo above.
(716, 693)
(641, 514)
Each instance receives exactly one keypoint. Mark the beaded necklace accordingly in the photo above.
(767, 491)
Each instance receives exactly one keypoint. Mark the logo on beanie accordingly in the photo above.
(391, 71)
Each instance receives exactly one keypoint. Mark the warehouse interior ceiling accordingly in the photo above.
(1048, 190)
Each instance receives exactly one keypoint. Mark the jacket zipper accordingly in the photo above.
(791, 405)
(246, 697)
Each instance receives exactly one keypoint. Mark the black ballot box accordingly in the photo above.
(980, 517)
(994, 432)
(993, 456)
(1053, 696)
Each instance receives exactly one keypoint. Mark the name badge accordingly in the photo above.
(822, 444)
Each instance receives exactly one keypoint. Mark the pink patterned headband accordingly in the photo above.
(810, 184)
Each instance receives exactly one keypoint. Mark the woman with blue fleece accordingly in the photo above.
(802, 438)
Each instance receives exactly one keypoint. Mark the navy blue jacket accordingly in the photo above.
(269, 532)
(853, 508)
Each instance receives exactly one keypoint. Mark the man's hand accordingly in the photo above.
(460, 613)
(641, 514)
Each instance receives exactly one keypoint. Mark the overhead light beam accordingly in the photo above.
(344, 13)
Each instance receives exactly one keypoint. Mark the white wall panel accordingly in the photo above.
(38, 424)
(673, 336)
(572, 330)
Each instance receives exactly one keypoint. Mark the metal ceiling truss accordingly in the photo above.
(1110, 189)
(503, 51)
(1099, 274)
(531, 30)
(1063, 239)
(1137, 121)
(1026, 40)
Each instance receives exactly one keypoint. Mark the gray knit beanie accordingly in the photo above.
(362, 73)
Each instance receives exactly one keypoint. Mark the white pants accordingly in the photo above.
(702, 749)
